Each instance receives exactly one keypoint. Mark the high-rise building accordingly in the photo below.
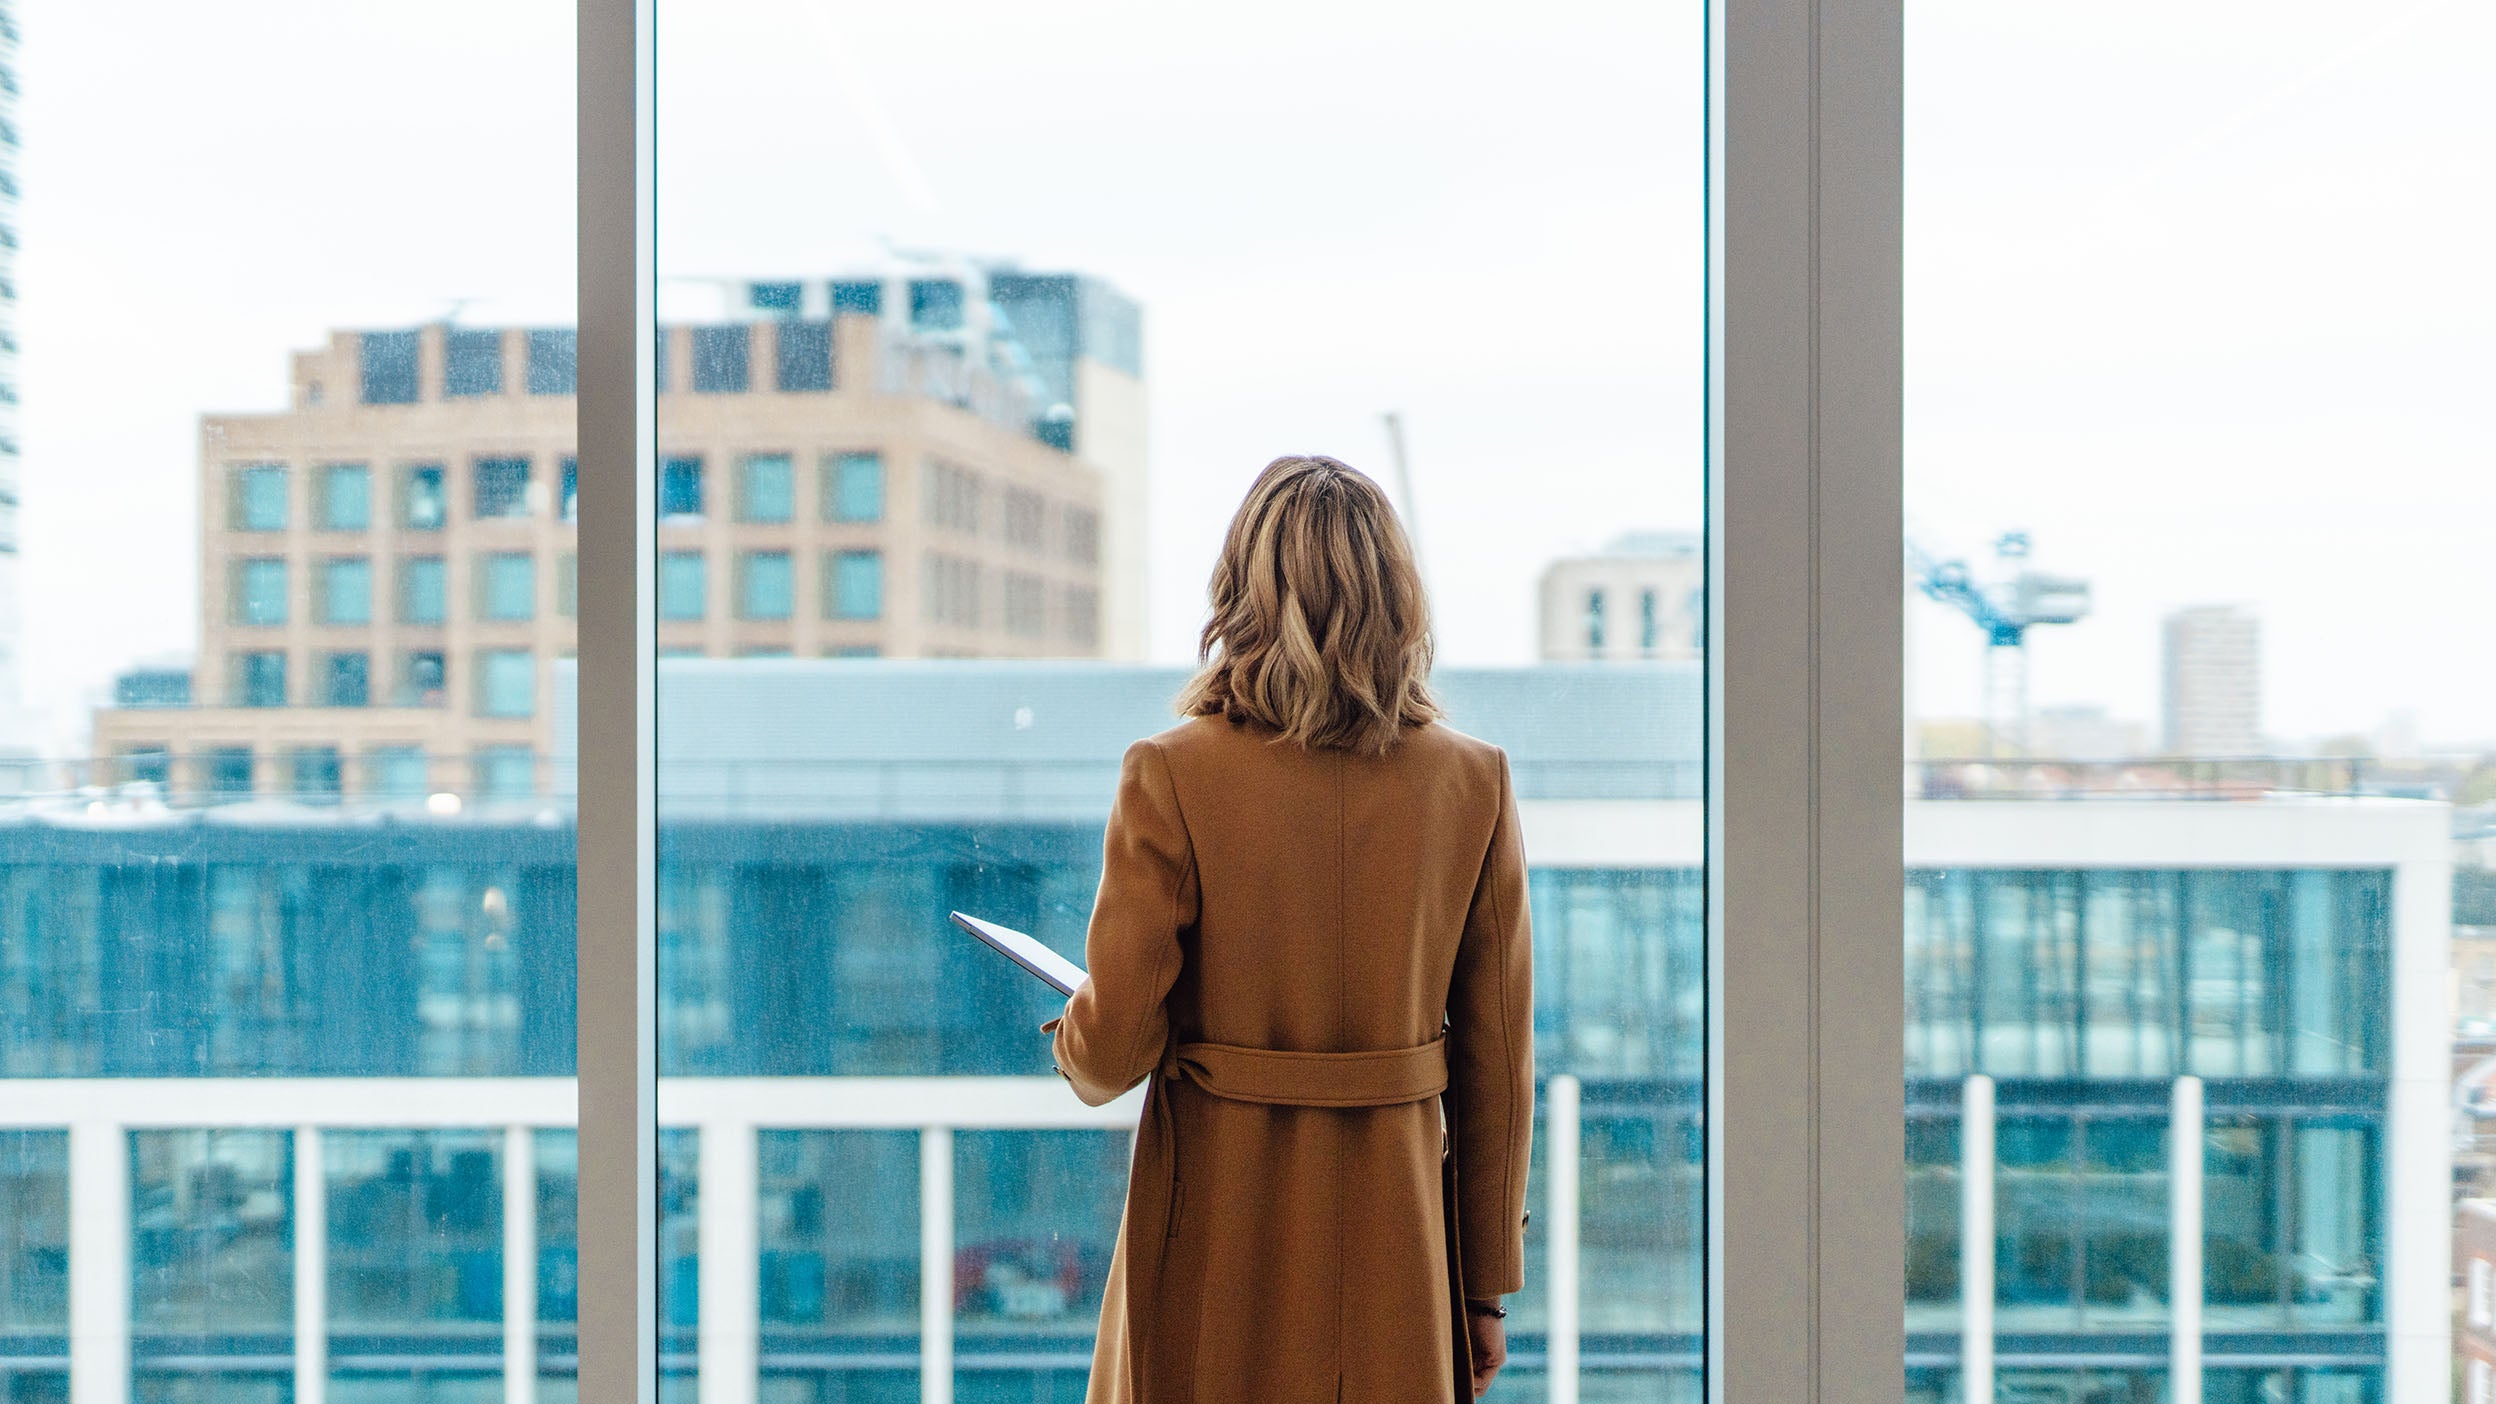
(1643, 596)
(2211, 682)
(388, 571)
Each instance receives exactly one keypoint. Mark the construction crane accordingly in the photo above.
(2005, 610)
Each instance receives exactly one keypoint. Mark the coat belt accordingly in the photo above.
(1274, 1077)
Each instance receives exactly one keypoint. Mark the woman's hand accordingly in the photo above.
(1490, 1343)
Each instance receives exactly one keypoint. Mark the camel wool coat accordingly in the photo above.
(1321, 962)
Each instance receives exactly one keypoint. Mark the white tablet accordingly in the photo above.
(1054, 970)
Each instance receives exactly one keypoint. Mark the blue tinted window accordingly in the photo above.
(425, 504)
(316, 778)
(720, 359)
(554, 362)
(681, 585)
(415, 1230)
(389, 366)
(346, 679)
(769, 491)
(506, 683)
(472, 362)
(571, 502)
(558, 1226)
(507, 587)
(834, 1261)
(34, 1231)
(854, 488)
(423, 590)
(229, 768)
(502, 487)
(777, 297)
(212, 1241)
(346, 497)
(260, 590)
(347, 590)
(768, 586)
(680, 487)
(856, 589)
(805, 355)
(260, 498)
(862, 299)
(397, 772)
(935, 304)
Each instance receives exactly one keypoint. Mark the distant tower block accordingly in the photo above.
(2211, 682)
(1642, 597)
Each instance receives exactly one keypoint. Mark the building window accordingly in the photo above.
(767, 489)
(1083, 536)
(571, 500)
(853, 586)
(680, 487)
(952, 587)
(935, 304)
(681, 585)
(1083, 616)
(1026, 605)
(147, 765)
(317, 774)
(568, 585)
(1648, 625)
(554, 362)
(423, 503)
(260, 678)
(507, 586)
(389, 364)
(719, 359)
(953, 498)
(805, 355)
(1594, 621)
(506, 683)
(777, 297)
(857, 299)
(472, 363)
(259, 498)
(347, 590)
(229, 770)
(502, 487)
(346, 680)
(260, 591)
(346, 497)
(765, 588)
(506, 772)
(423, 590)
(853, 487)
(396, 772)
(1025, 512)
(424, 677)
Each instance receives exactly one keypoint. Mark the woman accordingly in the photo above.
(1311, 935)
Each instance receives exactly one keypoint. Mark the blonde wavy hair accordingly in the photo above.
(1319, 627)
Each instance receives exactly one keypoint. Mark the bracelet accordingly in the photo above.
(1492, 1309)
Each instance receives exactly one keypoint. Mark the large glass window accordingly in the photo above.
(260, 498)
(347, 590)
(506, 683)
(346, 497)
(853, 585)
(766, 587)
(682, 585)
(260, 591)
(507, 586)
(424, 590)
(766, 489)
(853, 487)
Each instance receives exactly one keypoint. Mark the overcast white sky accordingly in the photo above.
(2198, 293)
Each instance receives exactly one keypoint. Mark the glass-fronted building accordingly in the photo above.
(377, 1202)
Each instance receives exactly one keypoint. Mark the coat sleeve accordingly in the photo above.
(1490, 1011)
(1113, 1030)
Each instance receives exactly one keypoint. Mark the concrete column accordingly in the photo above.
(1976, 1162)
(99, 1263)
(936, 1265)
(1560, 1160)
(2417, 1135)
(730, 1332)
(519, 1265)
(311, 1268)
(2185, 1133)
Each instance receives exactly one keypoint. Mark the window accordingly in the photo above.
(506, 683)
(423, 678)
(506, 772)
(229, 770)
(259, 586)
(260, 678)
(719, 359)
(1025, 513)
(768, 489)
(953, 497)
(1083, 536)
(571, 502)
(423, 504)
(502, 488)
(397, 772)
(777, 297)
(682, 592)
(1083, 617)
(680, 487)
(1594, 623)
(260, 498)
(317, 775)
(507, 586)
(346, 497)
(554, 362)
(1648, 628)
(424, 590)
(1026, 605)
(347, 590)
(935, 304)
(389, 362)
(472, 362)
(952, 587)
(857, 299)
(853, 487)
(346, 679)
(766, 585)
(805, 355)
(853, 586)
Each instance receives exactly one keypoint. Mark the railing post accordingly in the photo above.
(936, 1265)
(1560, 1162)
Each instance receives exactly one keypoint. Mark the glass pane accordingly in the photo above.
(950, 432)
(286, 1004)
(2186, 916)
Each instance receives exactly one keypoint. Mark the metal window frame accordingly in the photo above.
(1805, 597)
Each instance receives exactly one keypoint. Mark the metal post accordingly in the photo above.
(728, 1233)
(936, 1265)
(617, 951)
(99, 1263)
(519, 1265)
(311, 1268)
(2185, 1134)
(1976, 1162)
(1560, 1162)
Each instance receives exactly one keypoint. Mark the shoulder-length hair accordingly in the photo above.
(1319, 627)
